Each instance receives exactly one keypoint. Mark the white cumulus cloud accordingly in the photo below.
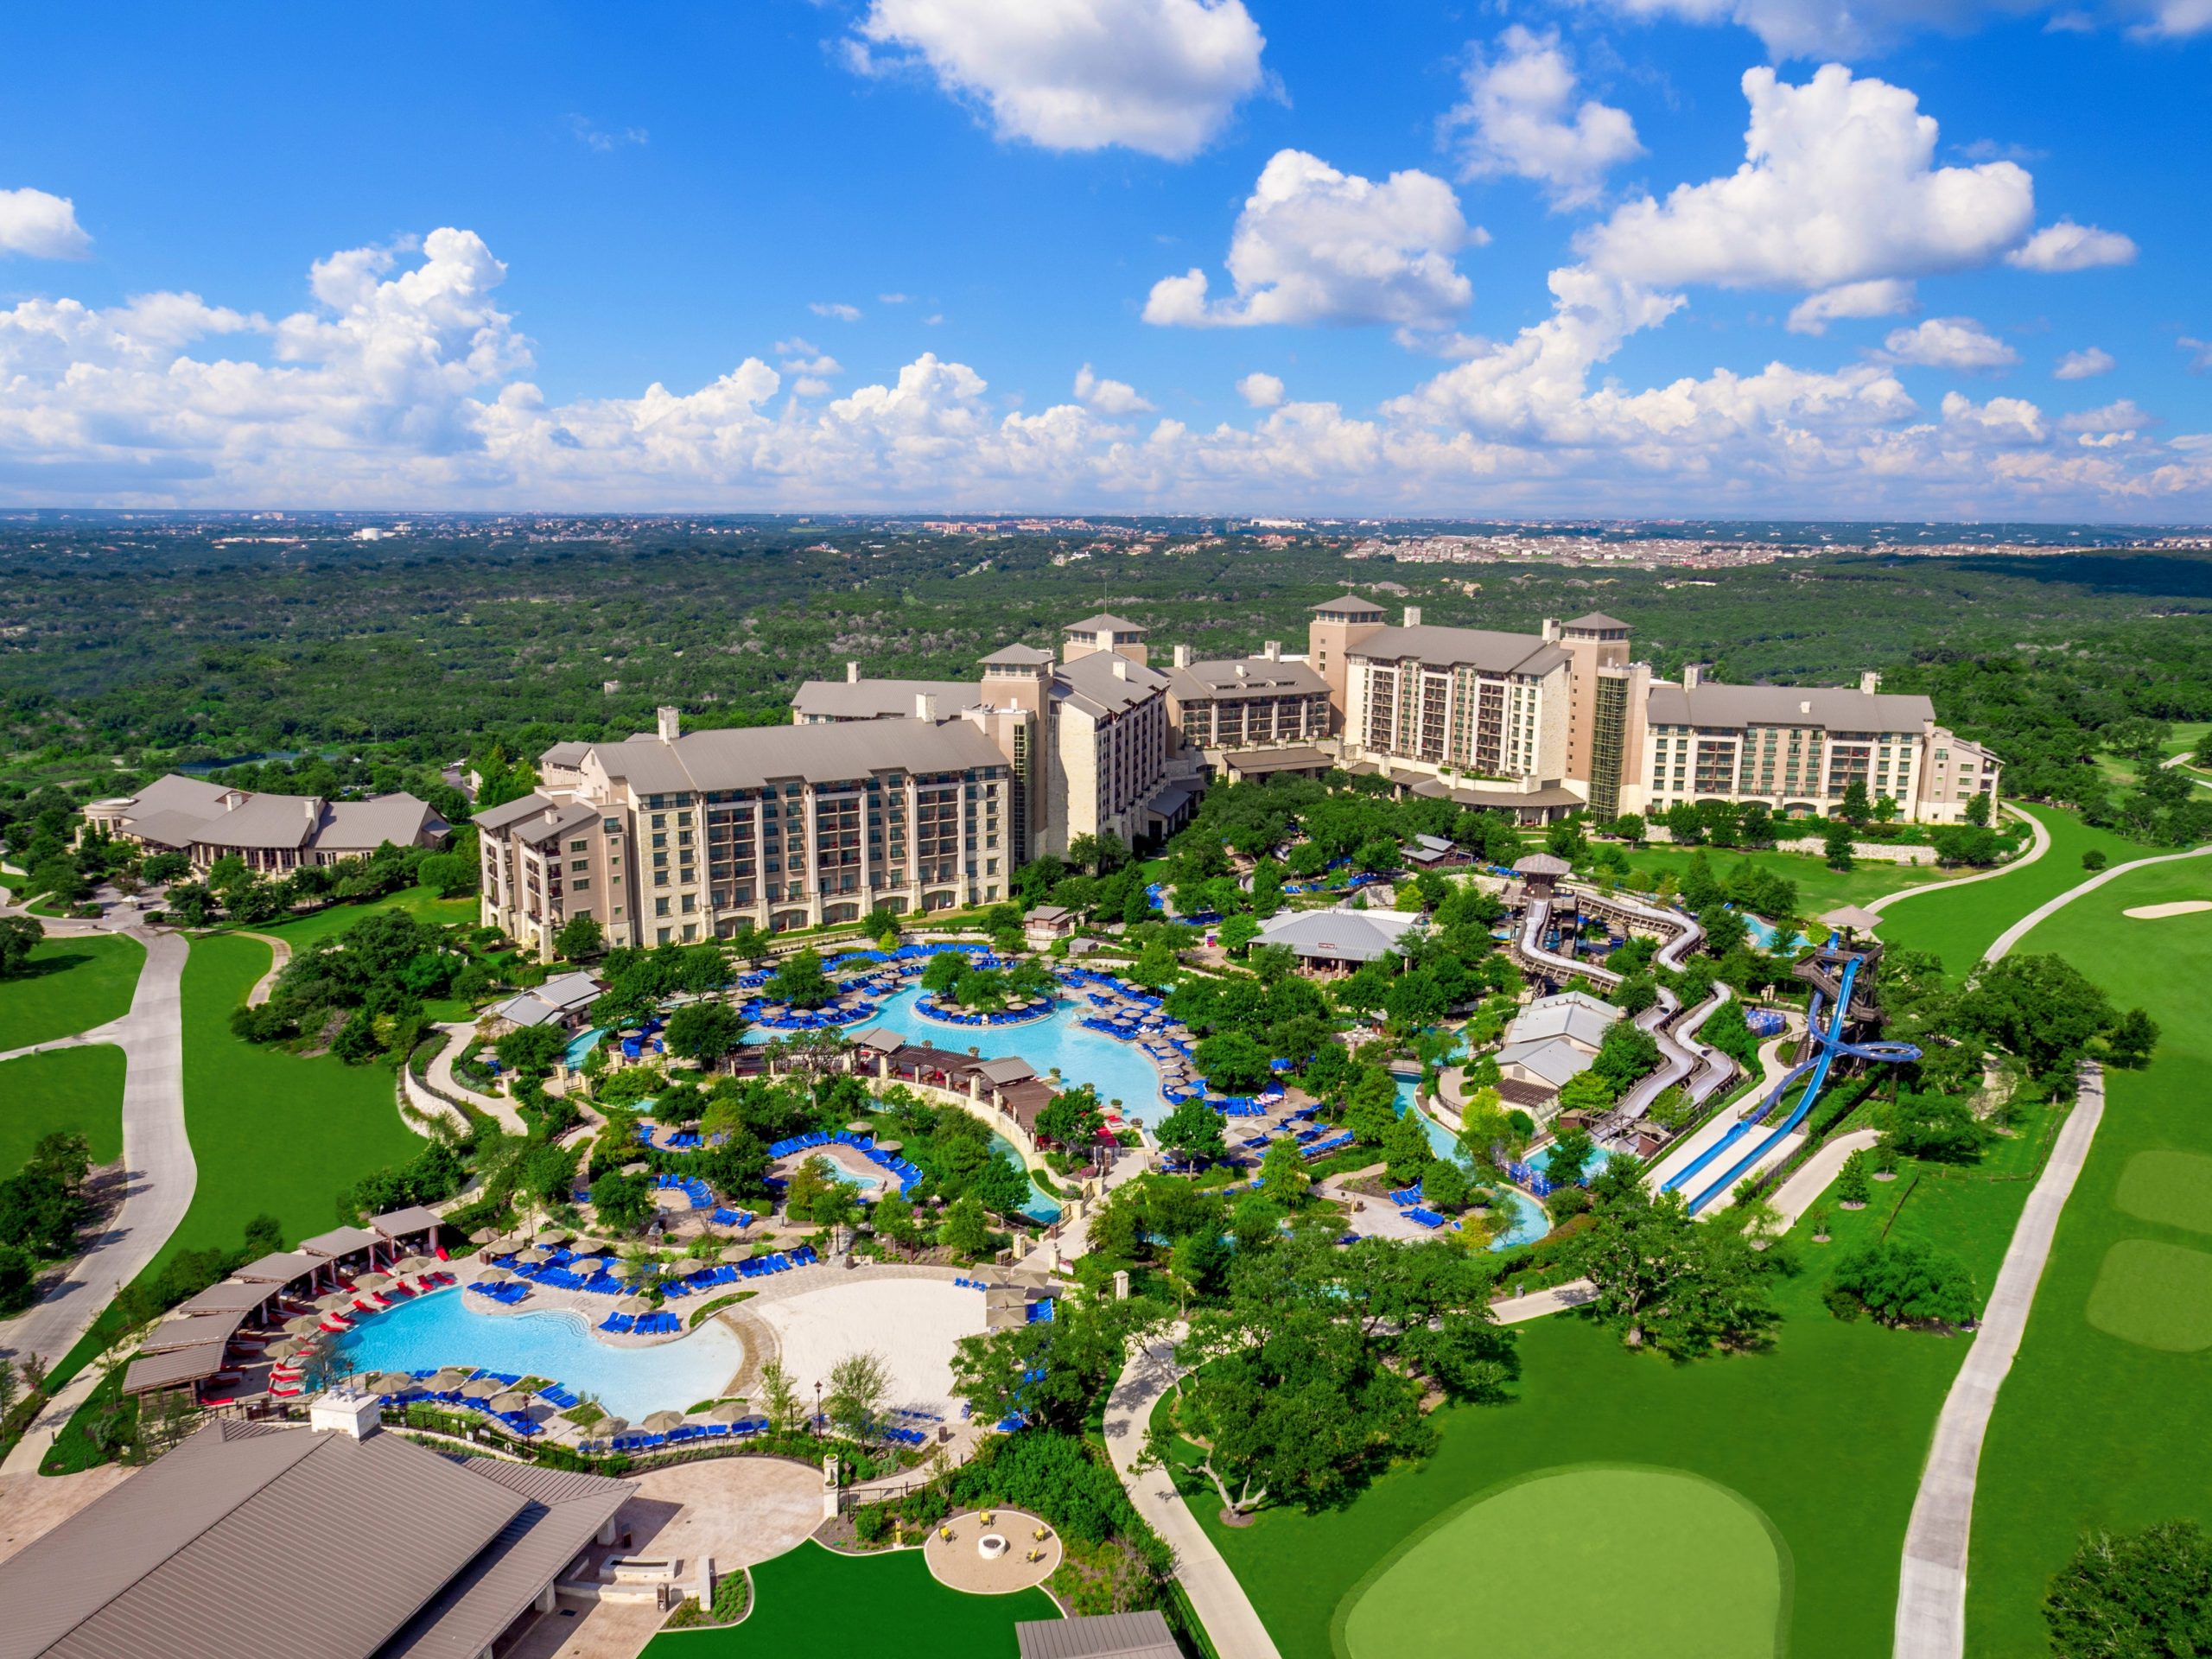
(2004, 421)
(1315, 245)
(2069, 246)
(1806, 29)
(1958, 343)
(1885, 296)
(1160, 76)
(1260, 389)
(1838, 186)
(40, 225)
(1107, 397)
(837, 310)
(1520, 117)
(2123, 416)
(2085, 365)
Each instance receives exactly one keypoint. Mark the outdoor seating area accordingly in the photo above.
(909, 1174)
(701, 1195)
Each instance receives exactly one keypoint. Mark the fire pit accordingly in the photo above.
(990, 1545)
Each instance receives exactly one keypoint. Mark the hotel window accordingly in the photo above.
(660, 907)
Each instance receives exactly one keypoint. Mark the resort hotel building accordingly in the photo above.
(927, 795)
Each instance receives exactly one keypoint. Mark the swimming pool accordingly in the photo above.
(440, 1329)
(1531, 1222)
(1765, 934)
(1599, 1157)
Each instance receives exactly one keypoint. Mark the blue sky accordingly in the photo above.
(1505, 259)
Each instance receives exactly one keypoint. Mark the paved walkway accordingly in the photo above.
(2040, 844)
(1797, 1195)
(280, 952)
(157, 1158)
(443, 1081)
(1932, 1585)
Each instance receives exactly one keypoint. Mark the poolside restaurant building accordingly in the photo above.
(194, 1345)
(234, 1546)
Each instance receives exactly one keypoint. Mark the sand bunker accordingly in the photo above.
(2179, 907)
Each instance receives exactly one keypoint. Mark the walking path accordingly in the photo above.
(280, 952)
(1931, 1620)
(1796, 1196)
(443, 1081)
(2041, 845)
(161, 1174)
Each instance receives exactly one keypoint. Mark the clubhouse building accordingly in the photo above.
(271, 833)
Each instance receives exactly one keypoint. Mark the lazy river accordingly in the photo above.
(441, 1329)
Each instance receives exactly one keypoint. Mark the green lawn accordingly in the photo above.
(1825, 1435)
(2102, 1422)
(1670, 1567)
(73, 1089)
(269, 1131)
(74, 984)
(422, 903)
(1959, 924)
(1819, 887)
(811, 1603)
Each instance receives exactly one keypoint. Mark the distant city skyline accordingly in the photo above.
(1705, 258)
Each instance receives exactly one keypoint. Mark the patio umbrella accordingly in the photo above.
(513, 1400)
(390, 1382)
(586, 1265)
(333, 1302)
(606, 1428)
(373, 1281)
(414, 1264)
(288, 1349)
(533, 1256)
(860, 1125)
(633, 1304)
(661, 1421)
(738, 1253)
(554, 1235)
(483, 1235)
(891, 1146)
(585, 1247)
(452, 1377)
(305, 1325)
(494, 1275)
(481, 1388)
(727, 1412)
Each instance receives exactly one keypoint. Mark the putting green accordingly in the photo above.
(2155, 1296)
(2173, 1187)
(1655, 1562)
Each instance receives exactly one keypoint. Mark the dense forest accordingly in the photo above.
(133, 645)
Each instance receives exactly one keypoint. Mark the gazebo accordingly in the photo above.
(1541, 871)
(1852, 918)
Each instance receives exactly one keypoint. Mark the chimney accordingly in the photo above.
(1551, 629)
(924, 705)
(1693, 676)
(1412, 616)
(1805, 706)
(1272, 651)
(852, 673)
(1182, 656)
(667, 722)
(1120, 668)
(1242, 671)
(314, 808)
(1871, 681)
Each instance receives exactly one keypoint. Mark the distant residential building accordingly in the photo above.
(271, 833)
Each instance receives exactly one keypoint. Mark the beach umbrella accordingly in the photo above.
(390, 1382)
(332, 1303)
(728, 1411)
(513, 1400)
(533, 1256)
(661, 1421)
(738, 1253)
(494, 1276)
(606, 1428)
(414, 1264)
(554, 1235)
(288, 1349)
(483, 1235)
(890, 1146)
(373, 1281)
(587, 1246)
(633, 1304)
(586, 1265)
(452, 1377)
(860, 1125)
(480, 1387)
(305, 1325)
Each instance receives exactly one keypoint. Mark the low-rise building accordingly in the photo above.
(1340, 939)
(272, 832)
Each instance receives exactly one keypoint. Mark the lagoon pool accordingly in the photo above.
(1599, 1157)
(1765, 934)
(440, 1329)
(1530, 1223)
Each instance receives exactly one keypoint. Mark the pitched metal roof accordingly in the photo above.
(1098, 1636)
(1092, 686)
(748, 757)
(1554, 1060)
(514, 811)
(338, 1241)
(280, 1267)
(1348, 602)
(397, 1224)
(166, 1370)
(229, 1296)
(1022, 656)
(1598, 621)
(1104, 622)
(1339, 935)
(1833, 707)
(206, 1553)
(1485, 648)
(880, 699)
(193, 1329)
(1245, 677)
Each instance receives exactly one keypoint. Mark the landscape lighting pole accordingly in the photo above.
(818, 1408)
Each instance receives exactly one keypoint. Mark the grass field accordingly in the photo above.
(1957, 925)
(73, 1089)
(422, 903)
(75, 983)
(2102, 1422)
(1669, 1567)
(269, 1131)
(1819, 887)
(811, 1603)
